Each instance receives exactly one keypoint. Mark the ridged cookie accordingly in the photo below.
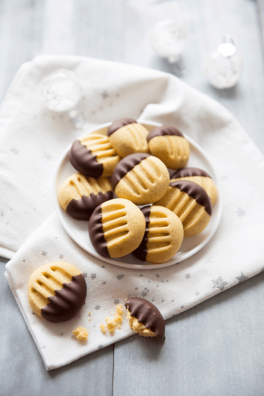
(80, 195)
(116, 228)
(145, 319)
(190, 203)
(169, 145)
(93, 155)
(56, 291)
(163, 236)
(198, 176)
(141, 178)
(128, 137)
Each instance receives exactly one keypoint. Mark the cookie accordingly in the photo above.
(145, 319)
(80, 195)
(141, 178)
(170, 146)
(56, 291)
(198, 176)
(128, 136)
(116, 228)
(93, 155)
(81, 333)
(163, 235)
(190, 203)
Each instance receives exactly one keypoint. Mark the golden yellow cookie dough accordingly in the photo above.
(101, 147)
(77, 186)
(145, 183)
(164, 235)
(193, 215)
(173, 151)
(45, 280)
(138, 327)
(205, 182)
(130, 139)
(81, 333)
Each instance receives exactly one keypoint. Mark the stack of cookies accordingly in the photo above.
(134, 164)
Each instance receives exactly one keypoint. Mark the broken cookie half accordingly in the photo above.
(145, 319)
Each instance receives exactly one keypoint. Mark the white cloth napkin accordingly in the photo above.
(32, 139)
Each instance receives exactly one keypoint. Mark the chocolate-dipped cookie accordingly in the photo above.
(80, 195)
(141, 178)
(116, 228)
(93, 155)
(145, 319)
(56, 291)
(128, 136)
(190, 203)
(198, 176)
(169, 145)
(163, 235)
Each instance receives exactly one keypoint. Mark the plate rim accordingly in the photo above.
(112, 261)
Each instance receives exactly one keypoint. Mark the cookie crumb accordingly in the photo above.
(81, 333)
(90, 320)
(89, 313)
(103, 329)
(110, 325)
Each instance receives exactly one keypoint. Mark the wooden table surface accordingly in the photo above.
(216, 348)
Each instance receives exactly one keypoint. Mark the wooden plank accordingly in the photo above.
(21, 25)
(261, 18)
(206, 23)
(213, 349)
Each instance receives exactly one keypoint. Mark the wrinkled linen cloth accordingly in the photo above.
(33, 138)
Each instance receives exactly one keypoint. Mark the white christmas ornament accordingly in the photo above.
(224, 66)
(168, 39)
(61, 92)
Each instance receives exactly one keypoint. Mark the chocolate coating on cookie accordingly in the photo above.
(96, 232)
(141, 252)
(125, 165)
(196, 192)
(188, 172)
(67, 301)
(148, 314)
(119, 124)
(164, 130)
(84, 161)
(82, 209)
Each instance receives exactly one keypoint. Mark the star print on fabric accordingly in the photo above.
(187, 276)
(85, 274)
(104, 282)
(144, 293)
(197, 293)
(43, 253)
(100, 346)
(241, 278)
(209, 260)
(61, 256)
(105, 95)
(119, 277)
(93, 276)
(47, 156)
(157, 275)
(14, 151)
(219, 283)
(97, 307)
(240, 212)
(116, 301)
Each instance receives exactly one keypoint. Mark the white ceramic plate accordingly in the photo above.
(78, 230)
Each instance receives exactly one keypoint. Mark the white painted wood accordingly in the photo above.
(217, 347)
